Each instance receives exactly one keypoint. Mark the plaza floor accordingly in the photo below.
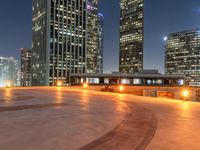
(58, 118)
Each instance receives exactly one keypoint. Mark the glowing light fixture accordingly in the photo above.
(85, 85)
(59, 83)
(185, 93)
(8, 84)
(121, 88)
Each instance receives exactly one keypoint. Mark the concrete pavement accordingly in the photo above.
(66, 118)
(54, 118)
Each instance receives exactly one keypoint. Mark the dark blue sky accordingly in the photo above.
(161, 17)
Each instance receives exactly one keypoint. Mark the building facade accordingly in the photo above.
(142, 78)
(182, 55)
(65, 40)
(100, 49)
(59, 40)
(94, 37)
(8, 71)
(26, 55)
(131, 36)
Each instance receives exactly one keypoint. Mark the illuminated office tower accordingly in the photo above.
(94, 31)
(8, 71)
(59, 40)
(26, 67)
(65, 40)
(182, 55)
(131, 36)
(100, 43)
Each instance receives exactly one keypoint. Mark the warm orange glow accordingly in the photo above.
(185, 93)
(8, 96)
(59, 83)
(8, 84)
(121, 88)
(59, 95)
(85, 85)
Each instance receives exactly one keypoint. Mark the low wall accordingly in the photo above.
(150, 91)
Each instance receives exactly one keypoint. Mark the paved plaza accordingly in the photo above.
(59, 118)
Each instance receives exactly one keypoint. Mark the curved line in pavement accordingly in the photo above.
(135, 132)
(18, 98)
(36, 106)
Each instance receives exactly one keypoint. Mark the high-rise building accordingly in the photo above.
(8, 71)
(131, 36)
(26, 55)
(182, 55)
(94, 31)
(65, 40)
(100, 48)
(59, 43)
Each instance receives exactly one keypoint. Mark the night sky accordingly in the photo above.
(161, 18)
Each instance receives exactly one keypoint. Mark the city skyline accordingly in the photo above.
(183, 19)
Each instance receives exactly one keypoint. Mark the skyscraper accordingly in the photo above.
(65, 40)
(182, 55)
(100, 49)
(94, 54)
(59, 40)
(8, 71)
(131, 36)
(26, 67)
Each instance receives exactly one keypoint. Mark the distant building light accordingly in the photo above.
(181, 82)
(100, 14)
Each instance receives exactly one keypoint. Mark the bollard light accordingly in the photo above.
(121, 88)
(85, 85)
(59, 83)
(185, 93)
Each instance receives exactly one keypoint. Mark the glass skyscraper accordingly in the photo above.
(131, 36)
(59, 40)
(94, 49)
(65, 40)
(26, 55)
(100, 49)
(8, 71)
(182, 55)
